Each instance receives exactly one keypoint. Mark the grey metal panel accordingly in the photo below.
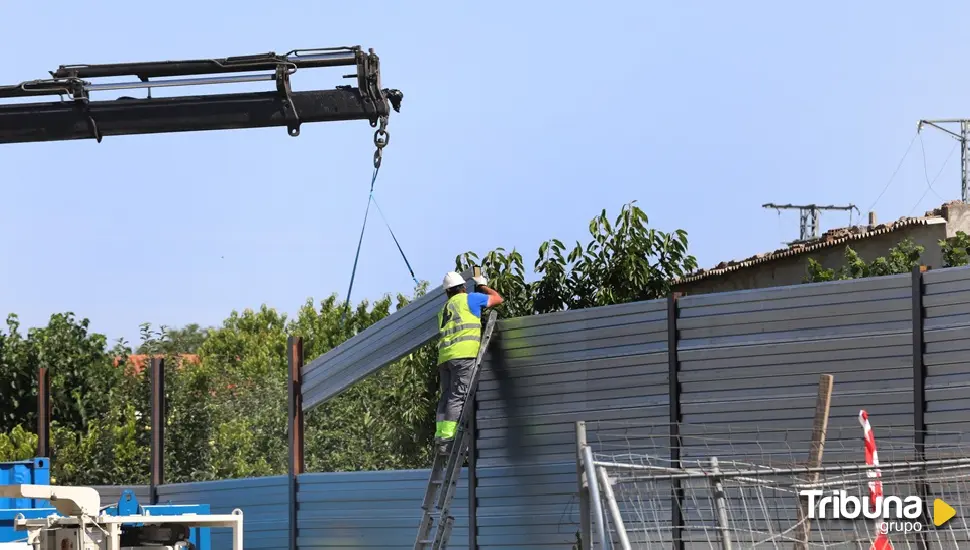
(606, 366)
(946, 275)
(757, 297)
(798, 313)
(749, 368)
(946, 357)
(370, 509)
(263, 502)
(110, 494)
(382, 343)
(750, 363)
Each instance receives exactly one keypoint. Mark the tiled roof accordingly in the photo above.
(139, 361)
(830, 238)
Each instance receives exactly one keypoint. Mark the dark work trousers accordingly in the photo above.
(455, 376)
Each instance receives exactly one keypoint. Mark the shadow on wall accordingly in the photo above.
(508, 394)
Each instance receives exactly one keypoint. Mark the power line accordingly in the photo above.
(929, 184)
(896, 171)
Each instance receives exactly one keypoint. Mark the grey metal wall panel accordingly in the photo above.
(946, 358)
(262, 500)
(750, 363)
(370, 510)
(749, 368)
(607, 366)
(382, 343)
(110, 494)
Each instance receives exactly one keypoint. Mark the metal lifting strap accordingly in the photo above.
(391, 231)
(381, 139)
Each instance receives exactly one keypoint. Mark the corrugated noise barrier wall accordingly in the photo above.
(746, 366)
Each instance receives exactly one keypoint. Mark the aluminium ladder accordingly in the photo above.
(447, 467)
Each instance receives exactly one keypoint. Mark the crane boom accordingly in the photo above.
(80, 117)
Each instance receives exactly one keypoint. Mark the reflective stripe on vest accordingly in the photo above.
(459, 331)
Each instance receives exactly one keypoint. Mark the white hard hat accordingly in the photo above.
(452, 279)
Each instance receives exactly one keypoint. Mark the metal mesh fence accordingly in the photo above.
(741, 489)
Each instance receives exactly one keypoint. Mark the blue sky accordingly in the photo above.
(522, 119)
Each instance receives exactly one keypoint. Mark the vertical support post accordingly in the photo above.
(964, 160)
(586, 529)
(919, 373)
(297, 463)
(158, 428)
(604, 480)
(823, 402)
(676, 443)
(594, 497)
(919, 391)
(43, 413)
(473, 476)
(720, 505)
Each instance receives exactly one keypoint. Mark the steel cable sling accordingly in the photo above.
(381, 138)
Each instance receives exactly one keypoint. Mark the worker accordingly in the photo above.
(460, 334)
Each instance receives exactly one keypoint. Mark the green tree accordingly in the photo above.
(173, 341)
(18, 378)
(624, 261)
(955, 250)
(111, 450)
(900, 259)
(81, 372)
(19, 444)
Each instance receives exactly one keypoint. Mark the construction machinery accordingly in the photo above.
(38, 516)
(78, 115)
(79, 523)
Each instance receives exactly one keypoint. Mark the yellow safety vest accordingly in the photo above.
(459, 330)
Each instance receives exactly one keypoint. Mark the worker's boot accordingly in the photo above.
(443, 444)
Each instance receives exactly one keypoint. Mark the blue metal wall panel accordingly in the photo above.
(373, 510)
(262, 500)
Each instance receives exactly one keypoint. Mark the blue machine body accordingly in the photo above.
(28, 472)
(37, 472)
(128, 506)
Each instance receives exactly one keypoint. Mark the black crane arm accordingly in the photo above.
(77, 116)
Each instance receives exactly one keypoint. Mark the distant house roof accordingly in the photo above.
(139, 361)
(830, 238)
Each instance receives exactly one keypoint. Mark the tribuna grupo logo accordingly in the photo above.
(892, 514)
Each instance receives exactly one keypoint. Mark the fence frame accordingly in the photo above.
(676, 417)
